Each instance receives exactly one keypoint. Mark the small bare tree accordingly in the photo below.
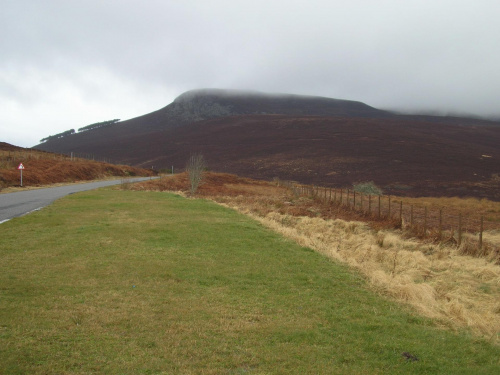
(195, 168)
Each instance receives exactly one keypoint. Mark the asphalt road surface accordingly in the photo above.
(23, 202)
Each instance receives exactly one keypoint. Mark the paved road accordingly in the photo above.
(23, 202)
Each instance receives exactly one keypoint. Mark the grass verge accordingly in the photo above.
(438, 280)
(124, 282)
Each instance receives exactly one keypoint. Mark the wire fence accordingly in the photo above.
(443, 224)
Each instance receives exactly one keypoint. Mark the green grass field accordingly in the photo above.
(123, 282)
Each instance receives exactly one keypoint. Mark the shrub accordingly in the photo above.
(195, 168)
(368, 188)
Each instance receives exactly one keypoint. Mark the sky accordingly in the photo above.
(66, 64)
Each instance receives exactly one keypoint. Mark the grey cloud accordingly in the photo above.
(409, 55)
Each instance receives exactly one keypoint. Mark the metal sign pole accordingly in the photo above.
(21, 167)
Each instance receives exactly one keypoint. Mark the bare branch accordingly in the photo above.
(195, 168)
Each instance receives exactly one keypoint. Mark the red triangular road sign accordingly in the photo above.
(21, 166)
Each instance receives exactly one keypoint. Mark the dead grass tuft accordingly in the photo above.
(456, 289)
(492, 236)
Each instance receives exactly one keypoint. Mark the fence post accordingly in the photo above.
(411, 216)
(389, 206)
(425, 222)
(347, 199)
(440, 223)
(379, 206)
(459, 229)
(354, 201)
(369, 204)
(401, 213)
(481, 235)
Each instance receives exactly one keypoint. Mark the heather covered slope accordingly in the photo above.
(409, 158)
(307, 139)
(197, 105)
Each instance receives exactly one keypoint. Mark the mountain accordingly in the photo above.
(305, 138)
(197, 105)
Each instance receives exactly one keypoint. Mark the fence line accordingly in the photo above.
(423, 222)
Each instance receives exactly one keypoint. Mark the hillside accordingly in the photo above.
(307, 139)
(44, 168)
(405, 158)
(197, 105)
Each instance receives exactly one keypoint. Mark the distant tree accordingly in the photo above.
(83, 129)
(98, 125)
(66, 133)
(195, 169)
(58, 135)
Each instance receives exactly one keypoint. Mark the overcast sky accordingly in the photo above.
(66, 64)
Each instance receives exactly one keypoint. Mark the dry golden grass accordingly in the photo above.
(492, 236)
(467, 206)
(473, 204)
(436, 279)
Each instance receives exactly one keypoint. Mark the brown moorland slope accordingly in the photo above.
(307, 139)
(114, 141)
(44, 168)
(409, 158)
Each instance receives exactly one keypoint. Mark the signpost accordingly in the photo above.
(21, 167)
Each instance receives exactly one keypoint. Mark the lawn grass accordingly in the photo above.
(124, 282)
